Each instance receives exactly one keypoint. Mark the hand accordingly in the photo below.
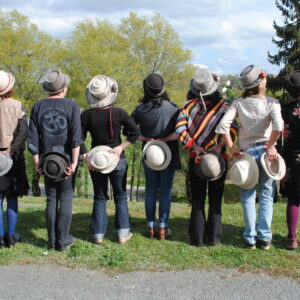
(71, 169)
(286, 177)
(236, 152)
(118, 150)
(91, 168)
(84, 156)
(272, 153)
(6, 152)
(198, 150)
(38, 169)
(216, 148)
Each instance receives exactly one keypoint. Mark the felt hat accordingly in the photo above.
(101, 91)
(55, 81)
(211, 167)
(274, 168)
(6, 163)
(54, 165)
(292, 83)
(103, 159)
(154, 85)
(7, 81)
(157, 155)
(252, 76)
(244, 172)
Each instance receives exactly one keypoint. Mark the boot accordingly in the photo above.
(151, 233)
(2, 244)
(12, 240)
(164, 233)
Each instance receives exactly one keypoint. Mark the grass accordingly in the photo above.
(140, 253)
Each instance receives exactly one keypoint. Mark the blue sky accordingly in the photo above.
(225, 35)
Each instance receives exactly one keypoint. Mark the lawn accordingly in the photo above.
(140, 253)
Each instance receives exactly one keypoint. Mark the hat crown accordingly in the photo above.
(55, 81)
(204, 82)
(240, 172)
(250, 76)
(156, 155)
(7, 81)
(292, 84)
(101, 160)
(154, 84)
(210, 166)
(3, 164)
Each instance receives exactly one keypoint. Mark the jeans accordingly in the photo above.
(158, 181)
(59, 211)
(99, 216)
(262, 229)
(12, 215)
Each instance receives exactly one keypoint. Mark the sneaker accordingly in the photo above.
(265, 245)
(97, 241)
(250, 246)
(66, 246)
(125, 240)
(291, 244)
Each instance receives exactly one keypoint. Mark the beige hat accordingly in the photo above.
(7, 81)
(274, 168)
(5, 163)
(101, 91)
(157, 155)
(244, 172)
(103, 159)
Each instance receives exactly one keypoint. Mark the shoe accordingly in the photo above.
(196, 244)
(264, 245)
(66, 246)
(291, 244)
(97, 241)
(164, 233)
(250, 246)
(12, 240)
(151, 233)
(2, 243)
(125, 240)
(51, 246)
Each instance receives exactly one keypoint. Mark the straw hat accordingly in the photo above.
(6, 163)
(274, 168)
(7, 81)
(55, 81)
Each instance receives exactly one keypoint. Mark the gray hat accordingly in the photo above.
(55, 81)
(252, 76)
(5, 163)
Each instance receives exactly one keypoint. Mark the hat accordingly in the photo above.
(204, 82)
(244, 172)
(211, 167)
(154, 84)
(55, 81)
(157, 155)
(7, 81)
(101, 91)
(103, 159)
(6, 163)
(54, 165)
(252, 76)
(292, 83)
(274, 168)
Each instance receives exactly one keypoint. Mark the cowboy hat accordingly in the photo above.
(274, 168)
(6, 163)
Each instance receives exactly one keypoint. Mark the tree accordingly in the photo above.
(289, 37)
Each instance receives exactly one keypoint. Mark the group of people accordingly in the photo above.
(205, 126)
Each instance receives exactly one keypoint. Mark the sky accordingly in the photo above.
(224, 35)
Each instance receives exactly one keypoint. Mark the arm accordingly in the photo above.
(118, 150)
(75, 153)
(271, 149)
(172, 137)
(33, 134)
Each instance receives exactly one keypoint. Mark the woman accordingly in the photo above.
(13, 133)
(260, 126)
(156, 117)
(104, 122)
(290, 185)
(196, 129)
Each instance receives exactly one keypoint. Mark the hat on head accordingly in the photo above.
(154, 84)
(252, 76)
(157, 155)
(101, 91)
(292, 83)
(55, 81)
(244, 172)
(7, 81)
(6, 163)
(211, 167)
(54, 165)
(103, 159)
(274, 168)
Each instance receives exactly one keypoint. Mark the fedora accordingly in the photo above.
(103, 159)
(252, 76)
(292, 83)
(54, 165)
(274, 168)
(244, 172)
(101, 91)
(55, 81)
(157, 155)
(7, 81)
(211, 167)
(6, 163)
(154, 84)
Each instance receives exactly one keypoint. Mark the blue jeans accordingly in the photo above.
(260, 230)
(99, 216)
(12, 215)
(158, 181)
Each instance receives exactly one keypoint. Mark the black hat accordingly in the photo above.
(54, 165)
(154, 84)
(292, 83)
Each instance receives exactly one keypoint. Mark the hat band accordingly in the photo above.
(9, 82)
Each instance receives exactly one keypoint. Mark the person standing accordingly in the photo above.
(13, 179)
(55, 128)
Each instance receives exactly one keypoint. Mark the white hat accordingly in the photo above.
(101, 91)
(274, 168)
(244, 172)
(7, 81)
(103, 159)
(5, 163)
(157, 155)
(252, 76)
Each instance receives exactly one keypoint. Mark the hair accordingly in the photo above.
(156, 101)
(251, 92)
(214, 97)
(8, 94)
(294, 97)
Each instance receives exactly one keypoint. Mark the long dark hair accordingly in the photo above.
(156, 101)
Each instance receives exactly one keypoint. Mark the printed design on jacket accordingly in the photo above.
(54, 121)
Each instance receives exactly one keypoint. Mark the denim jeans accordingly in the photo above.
(99, 216)
(260, 229)
(59, 211)
(12, 215)
(158, 181)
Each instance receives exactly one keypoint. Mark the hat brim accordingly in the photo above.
(67, 83)
(282, 167)
(167, 151)
(8, 166)
(108, 100)
(196, 92)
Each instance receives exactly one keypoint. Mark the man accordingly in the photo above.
(55, 128)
